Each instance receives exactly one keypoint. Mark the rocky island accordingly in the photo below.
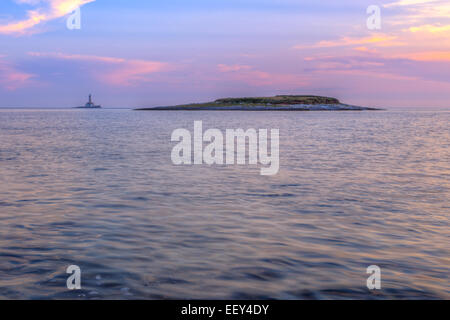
(276, 103)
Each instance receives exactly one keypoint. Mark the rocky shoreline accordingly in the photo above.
(276, 103)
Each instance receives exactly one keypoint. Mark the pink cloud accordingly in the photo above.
(114, 71)
(248, 75)
(52, 9)
(230, 68)
(368, 74)
(11, 78)
(379, 39)
(133, 71)
(365, 50)
(407, 3)
(442, 56)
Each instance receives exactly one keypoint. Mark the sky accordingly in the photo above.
(131, 53)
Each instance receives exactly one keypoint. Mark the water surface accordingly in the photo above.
(97, 188)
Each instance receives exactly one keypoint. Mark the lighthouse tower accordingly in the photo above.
(90, 104)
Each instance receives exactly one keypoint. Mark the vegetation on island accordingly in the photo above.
(280, 102)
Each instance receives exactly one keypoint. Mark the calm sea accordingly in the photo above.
(97, 189)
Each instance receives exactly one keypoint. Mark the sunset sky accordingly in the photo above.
(131, 53)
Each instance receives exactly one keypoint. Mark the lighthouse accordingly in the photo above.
(90, 104)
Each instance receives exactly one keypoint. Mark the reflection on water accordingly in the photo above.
(98, 189)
